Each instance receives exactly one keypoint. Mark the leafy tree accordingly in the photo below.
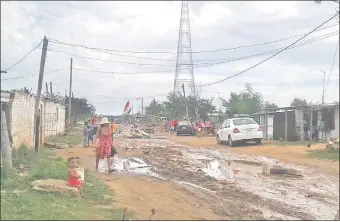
(245, 102)
(269, 105)
(299, 102)
(80, 107)
(174, 106)
(155, 108)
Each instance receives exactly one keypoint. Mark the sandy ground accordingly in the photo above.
(187, 193)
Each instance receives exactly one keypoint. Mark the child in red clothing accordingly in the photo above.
(73, 178)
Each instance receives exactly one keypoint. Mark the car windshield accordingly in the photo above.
(243, 121)
(184, 123)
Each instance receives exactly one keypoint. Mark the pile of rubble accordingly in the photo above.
(133, 131)
(333, 145)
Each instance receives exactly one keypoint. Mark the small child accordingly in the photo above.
(73, 178)
(86, 135)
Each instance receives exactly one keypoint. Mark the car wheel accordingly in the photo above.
(230, 142)
(218, 140)
(258, 141)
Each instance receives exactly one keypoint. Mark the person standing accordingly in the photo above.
(86, 135)
(104, 143)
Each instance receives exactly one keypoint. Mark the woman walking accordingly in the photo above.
(104, 143)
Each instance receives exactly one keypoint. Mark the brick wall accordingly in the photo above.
(22, 119)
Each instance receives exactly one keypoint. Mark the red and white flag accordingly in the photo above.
(127, 108)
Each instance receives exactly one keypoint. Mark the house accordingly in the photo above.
(266, 128)
(301, 123)
(19, 109)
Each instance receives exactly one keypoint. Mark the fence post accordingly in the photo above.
(6, 151)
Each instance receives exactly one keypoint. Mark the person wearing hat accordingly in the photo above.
(104, 143)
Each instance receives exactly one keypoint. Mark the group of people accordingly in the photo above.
(170, 125)
(100, 132)
(200, 126)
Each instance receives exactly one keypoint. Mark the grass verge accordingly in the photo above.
(34, 205)
(325, 154)
(74, 138)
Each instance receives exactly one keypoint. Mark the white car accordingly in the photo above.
(239, 130)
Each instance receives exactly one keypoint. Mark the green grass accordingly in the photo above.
(74, 138)
(34, 205)
(325, 154)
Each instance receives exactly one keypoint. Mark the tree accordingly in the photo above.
(299, 102)
(174, 106)
(269, 105)
(245, 102)
(80, 107)
(154, 108)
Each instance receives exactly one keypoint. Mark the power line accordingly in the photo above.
(328, 35)
(24, 57)
(20, 77)
(330, 72)
(257, 64)
(218, 61)
(150, 52)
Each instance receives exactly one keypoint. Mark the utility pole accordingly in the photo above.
(37, 99)
(218, 99)
(6, 151)
(185, 102)
(46, 89)
(51, 89)
(323, 87)
(3, 71)
(142, 106)
(69, 98)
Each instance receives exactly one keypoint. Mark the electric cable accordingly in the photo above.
(259, 63)
(24, 57)
(20, 77)
(202, 51)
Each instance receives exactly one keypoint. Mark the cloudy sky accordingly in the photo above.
(153, 27)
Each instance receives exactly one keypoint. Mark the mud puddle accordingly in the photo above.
(313, 197)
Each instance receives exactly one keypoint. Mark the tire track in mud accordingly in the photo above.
(228, 201)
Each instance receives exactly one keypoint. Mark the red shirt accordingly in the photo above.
(172, 123)
(175, 122)
(93, 120)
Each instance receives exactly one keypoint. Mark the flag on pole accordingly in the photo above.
(127, 108)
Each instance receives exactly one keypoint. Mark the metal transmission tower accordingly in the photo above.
(184, 65)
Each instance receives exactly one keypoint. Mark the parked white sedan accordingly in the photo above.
(239, 130)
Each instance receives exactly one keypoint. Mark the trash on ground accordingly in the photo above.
(131, 165)
(219, 171)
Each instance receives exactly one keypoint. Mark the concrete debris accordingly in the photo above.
(55, 186)
(286, 171)
(219, 171)
(333, 145)
(57, 145)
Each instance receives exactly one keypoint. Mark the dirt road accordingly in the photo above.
(289, 154)
(183, 191)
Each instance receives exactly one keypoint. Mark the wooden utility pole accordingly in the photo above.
(266, 123)
(6, 151)
(185, 102)
(37, 99)
(46, 89)
(69, 98)
(311, 125)
(51, 89)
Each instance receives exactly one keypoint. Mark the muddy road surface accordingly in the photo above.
(252, 196)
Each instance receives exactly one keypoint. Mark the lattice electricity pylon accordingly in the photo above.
(184, 65)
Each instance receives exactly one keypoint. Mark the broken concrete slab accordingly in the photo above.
(286, 171)
(55, 186)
